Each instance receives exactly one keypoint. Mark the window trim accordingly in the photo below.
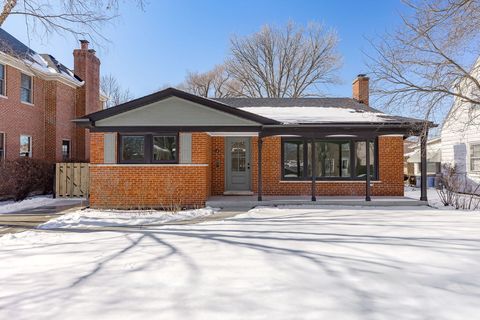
(352, 176)
(148, 152)
(471, 144)
(31, 102)
(4, 144)
(69, 149)
(30, 151)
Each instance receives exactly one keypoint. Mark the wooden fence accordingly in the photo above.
(71, 180)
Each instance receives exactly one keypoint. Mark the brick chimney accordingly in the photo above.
(360, 89)
(87, 67)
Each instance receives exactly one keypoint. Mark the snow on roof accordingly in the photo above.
(43, 63)
(295, 115)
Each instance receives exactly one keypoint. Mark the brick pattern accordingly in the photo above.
(49, 119)
(390, 172)
(19, 118)
(150, 186)
(218, 165)
(360, 88)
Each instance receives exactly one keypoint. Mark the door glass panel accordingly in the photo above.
(238, 152)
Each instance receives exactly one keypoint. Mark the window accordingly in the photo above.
(148, 148)
(475, 158)
(2, 145)
(334, 159)
(25, 146)
(26, 85)
(293, 159)
(361, 159)
(164, 149)
(66, 150)
(2, 80)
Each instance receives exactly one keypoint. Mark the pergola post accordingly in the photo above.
(367, 160)
(423, 166)
(259, 167)
(314, 171)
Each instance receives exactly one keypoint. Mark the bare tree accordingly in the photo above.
(215, 83)
(284, 62)
(114, 92)
(80, 18)
(431, 59)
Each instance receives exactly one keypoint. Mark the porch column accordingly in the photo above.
(367, 160)
(259, 167)
(314, 171)
(423, 166)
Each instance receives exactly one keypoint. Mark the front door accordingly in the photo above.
(238, 163)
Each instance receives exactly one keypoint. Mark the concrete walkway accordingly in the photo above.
(30, 218)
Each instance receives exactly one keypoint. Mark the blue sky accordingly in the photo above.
(156, 47)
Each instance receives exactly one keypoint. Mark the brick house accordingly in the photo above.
(39, 98)
(175, 147)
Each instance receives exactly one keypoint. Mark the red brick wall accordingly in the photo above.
(150, 185)
(17, 118)
(390, 181)
(49, 119)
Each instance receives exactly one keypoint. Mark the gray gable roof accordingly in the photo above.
(345, 103)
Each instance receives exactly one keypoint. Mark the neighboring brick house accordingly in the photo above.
(172, 147)
(39, 98)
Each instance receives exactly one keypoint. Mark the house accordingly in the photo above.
(434, 159)
(39, 98)
(460, 135)
(175, 147)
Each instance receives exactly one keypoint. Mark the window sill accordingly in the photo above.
(329, 181)
(27, 103)
(3, 97)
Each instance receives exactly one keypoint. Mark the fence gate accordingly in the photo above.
(71, 180)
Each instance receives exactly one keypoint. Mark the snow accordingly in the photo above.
(270, 263)
(90, 218)
(31, 203)
(432, 196)
(292, 115)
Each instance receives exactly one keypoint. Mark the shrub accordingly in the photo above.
(24, 176)
(457, 191)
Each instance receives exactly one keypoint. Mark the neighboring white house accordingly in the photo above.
(434, 157)
(461, 134)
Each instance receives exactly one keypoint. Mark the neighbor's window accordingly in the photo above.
(2, 80)
(132, 148)
(2, 145)
(148, 148)
(65, 149)
(334, 159)
(25, 146)
(26, 85)
(164, 148)
(475, 158)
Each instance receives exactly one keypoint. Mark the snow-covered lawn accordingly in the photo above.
(90, 218)
(329, 263)
(34, 202)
